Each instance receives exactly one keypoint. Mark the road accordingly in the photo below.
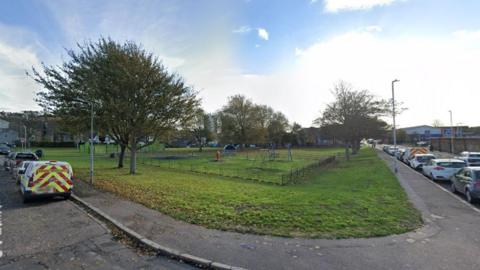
(57, 234)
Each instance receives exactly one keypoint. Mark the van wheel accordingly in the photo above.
(26, 198)
(432, 178)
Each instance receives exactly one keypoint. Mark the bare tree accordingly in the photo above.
(353, 115)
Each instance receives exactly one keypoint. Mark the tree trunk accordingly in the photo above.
(347, 151)
(355, 147)
(121, 157)
(133, 158)
(200, 149)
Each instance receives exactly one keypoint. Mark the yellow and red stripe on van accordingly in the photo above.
(51, 179)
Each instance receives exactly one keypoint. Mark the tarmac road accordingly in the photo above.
(57, 234)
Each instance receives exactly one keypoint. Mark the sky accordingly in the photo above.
(285, 54)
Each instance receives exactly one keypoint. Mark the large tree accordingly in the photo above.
(244, 122)
(353, 116)
(135, 98)
(239, 121)
(198, 128)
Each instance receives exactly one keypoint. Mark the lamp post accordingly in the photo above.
(451, 132)
(91, 145)
(394, 125)
(25, 137)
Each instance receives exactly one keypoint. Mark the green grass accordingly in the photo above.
(360, 198)
(252, 164)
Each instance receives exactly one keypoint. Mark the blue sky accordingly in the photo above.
(286, 54)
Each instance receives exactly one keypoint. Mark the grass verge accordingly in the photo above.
(360, 198)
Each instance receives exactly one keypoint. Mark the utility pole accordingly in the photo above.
(91, 145)
(25, 137)
(451, 133)
(394, 125)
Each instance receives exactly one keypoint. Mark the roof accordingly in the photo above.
(448, 160)
(50, 162)
(421, 126)
(444, 127)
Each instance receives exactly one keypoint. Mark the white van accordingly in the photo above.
(47, 179)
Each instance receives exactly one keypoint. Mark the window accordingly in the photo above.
(451, 164)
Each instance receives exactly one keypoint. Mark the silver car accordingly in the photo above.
(467, 182)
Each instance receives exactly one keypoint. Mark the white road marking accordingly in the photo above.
(442, 188)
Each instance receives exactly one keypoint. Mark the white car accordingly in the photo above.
(419, 160)
(392, 150)
(471, 158)
(442, 169)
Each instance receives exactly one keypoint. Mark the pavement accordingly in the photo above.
(450, 238)
(57, 234)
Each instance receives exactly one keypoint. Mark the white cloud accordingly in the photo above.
(436, 75)
(373, 28)
(439, 71)
(16, 88)
(262, 33)
(339, 5)
(242, 29)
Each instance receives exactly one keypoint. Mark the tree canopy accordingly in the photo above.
(244, 122)
(134, 97)
(353, 116)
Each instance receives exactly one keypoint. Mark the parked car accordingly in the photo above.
(472, 159)
(47, 179)
(419, 160)
(20, 170)
(18, 157)
(412, 151)
(385, 148)
(400, 153)
(442, 169)
(467, 182)
(4, 150)
(392, 150)
(6, 162)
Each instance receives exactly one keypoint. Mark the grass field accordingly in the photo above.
(360, 198)
(248, 165)
(256, 165)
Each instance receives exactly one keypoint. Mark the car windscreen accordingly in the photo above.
(424, 158)
(25, 156)
(455, 165)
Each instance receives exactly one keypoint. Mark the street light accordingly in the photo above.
(451, 132)
(25, 137)
(91, 145)
(394, 124)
